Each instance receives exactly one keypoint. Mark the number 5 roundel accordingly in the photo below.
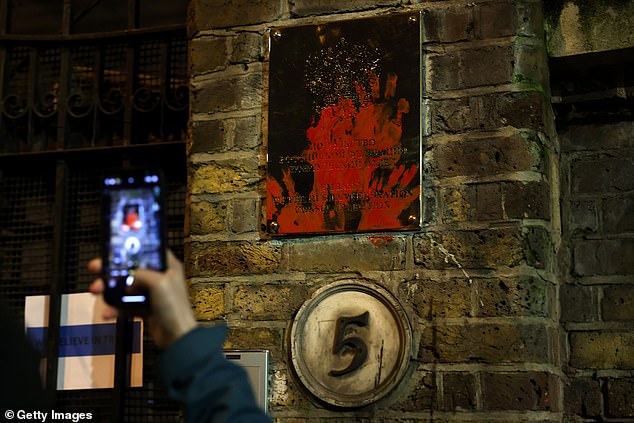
(350, 343)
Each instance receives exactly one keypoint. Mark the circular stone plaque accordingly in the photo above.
(350, 343)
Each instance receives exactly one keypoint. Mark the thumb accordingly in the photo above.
(147, 278)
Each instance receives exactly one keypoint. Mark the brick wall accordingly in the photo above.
(478, 281)
(597, 298)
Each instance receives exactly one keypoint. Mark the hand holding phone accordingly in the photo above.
(170, 315)
(133, 233)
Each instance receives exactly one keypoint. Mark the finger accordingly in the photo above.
(146, 278)
(375, 86)
(109, 313)
(402, 107)
(395, 176)
(390, 86)
(173, 262)
(94, 265)
(97, 287)
(409, 175)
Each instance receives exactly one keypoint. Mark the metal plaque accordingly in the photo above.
(351, 343)
(344, 143)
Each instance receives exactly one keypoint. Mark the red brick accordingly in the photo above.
(472, 68)
(619, 398)
(527, 200)
(520, 391)
(583, 397)
(447, 25)
(483, 157)
(496, 20)
(487, 112)
(459, 392)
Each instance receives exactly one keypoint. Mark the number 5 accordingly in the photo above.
(354, 343)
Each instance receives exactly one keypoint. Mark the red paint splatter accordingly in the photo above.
(354, 153)
(381, 241)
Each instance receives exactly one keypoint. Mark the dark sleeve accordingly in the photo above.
(211, 388)
(20, 384)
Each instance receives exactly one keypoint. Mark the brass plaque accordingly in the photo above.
(344, 143)
(351, 343)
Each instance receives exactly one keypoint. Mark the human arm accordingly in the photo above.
(214, 389)
(195, 372)
(170, 315)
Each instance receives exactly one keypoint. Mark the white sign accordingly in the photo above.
(87, 341)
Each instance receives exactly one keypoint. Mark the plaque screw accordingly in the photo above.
(412, 219)
(412, 19)
(274, 226)
(277, 33)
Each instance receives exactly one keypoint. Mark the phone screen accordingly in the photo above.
(133, 213)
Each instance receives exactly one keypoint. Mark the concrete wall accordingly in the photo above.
(585, 26)
(478, 281)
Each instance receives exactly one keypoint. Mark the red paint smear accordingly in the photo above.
(347, 145)
(381, 241)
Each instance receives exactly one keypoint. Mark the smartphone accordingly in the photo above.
(133, 218)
